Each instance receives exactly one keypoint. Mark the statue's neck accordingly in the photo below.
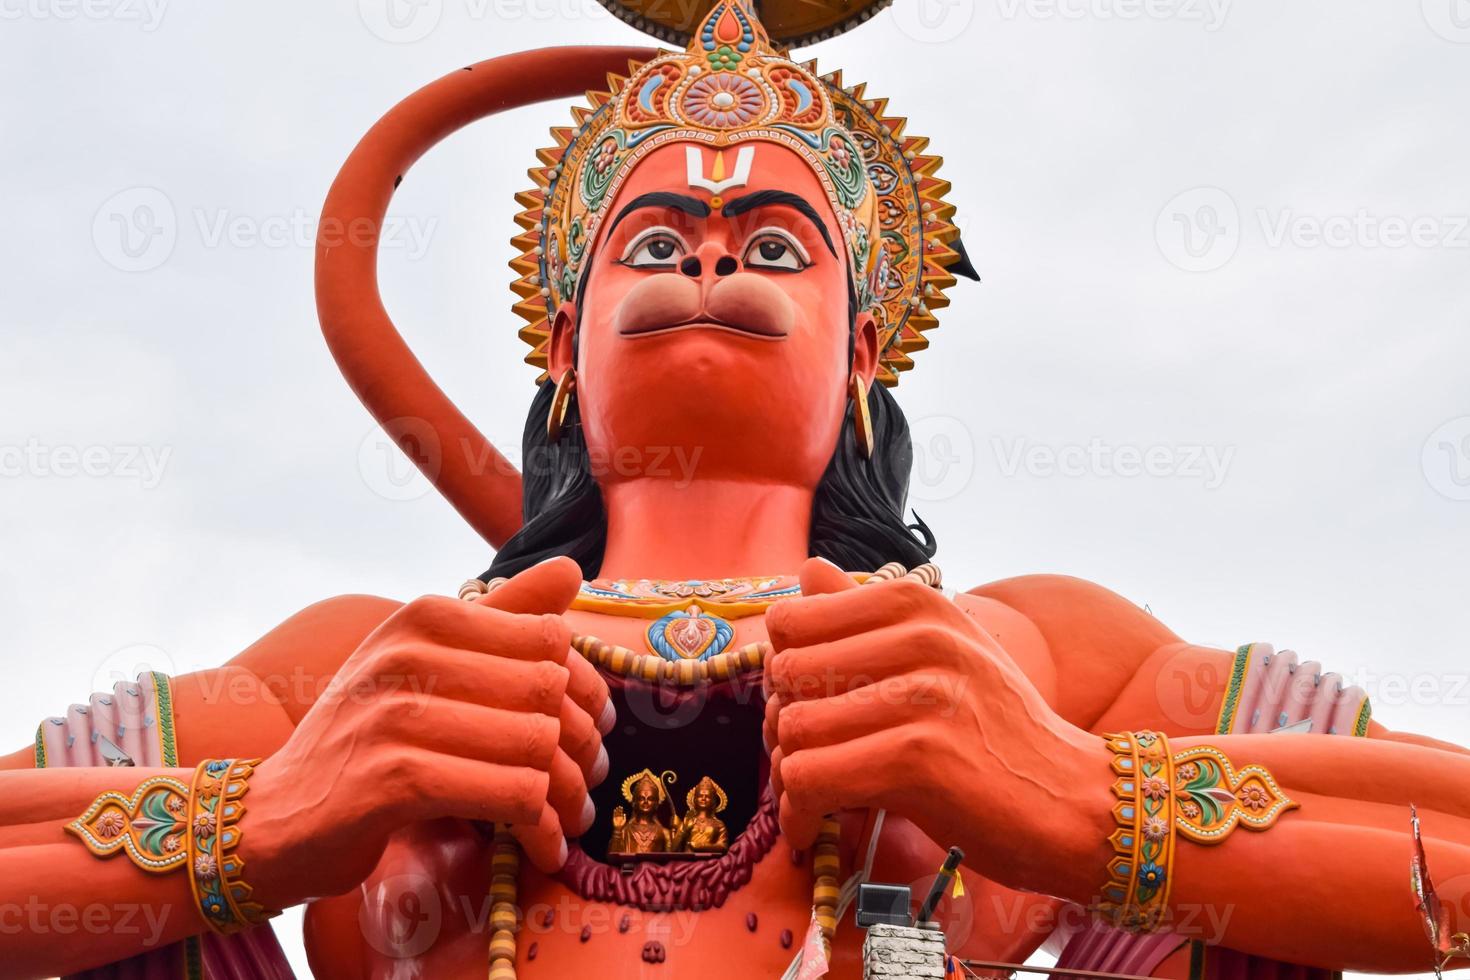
(707, 529)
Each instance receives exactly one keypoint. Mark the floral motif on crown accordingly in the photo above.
(731, 86)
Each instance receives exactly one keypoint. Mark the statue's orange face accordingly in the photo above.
(716, 318)
(704, 799)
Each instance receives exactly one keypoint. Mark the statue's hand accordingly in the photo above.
(449, 709)
(620, 818)
(890, 696)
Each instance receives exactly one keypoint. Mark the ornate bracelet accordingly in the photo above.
(1197, 795)
(165, 825)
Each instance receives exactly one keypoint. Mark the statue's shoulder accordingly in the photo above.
(1080, 642)
(303, 652)
(1067, 609)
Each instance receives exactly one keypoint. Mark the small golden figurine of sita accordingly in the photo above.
(646, 832)
(700, 831)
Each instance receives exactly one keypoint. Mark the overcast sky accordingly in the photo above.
(1220, 361)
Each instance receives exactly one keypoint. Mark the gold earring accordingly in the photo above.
(560, 402)
(862, 421)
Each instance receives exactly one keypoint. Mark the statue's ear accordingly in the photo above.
(865, 347)
(561, 348)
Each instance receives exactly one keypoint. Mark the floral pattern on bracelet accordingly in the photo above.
(1136, 895)
(1213, 798)
(1195, 795)
(149, 825)
(216, 870)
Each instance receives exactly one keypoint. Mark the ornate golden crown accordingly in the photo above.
(732, 86)
(647, 774)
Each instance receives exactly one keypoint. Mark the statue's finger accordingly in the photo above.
(547, 588)
(544, 843)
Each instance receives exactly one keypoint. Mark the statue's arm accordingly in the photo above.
(1328, 884)
(50, 885)
(957, 735)
(445, 709)
(63, 910)
(249, 706)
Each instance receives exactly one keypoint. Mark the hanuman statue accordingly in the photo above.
(732, 257)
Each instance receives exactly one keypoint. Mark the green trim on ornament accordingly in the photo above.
(1231, 704)
(163, 692)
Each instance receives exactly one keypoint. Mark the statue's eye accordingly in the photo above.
(771, 248)
(658, 248)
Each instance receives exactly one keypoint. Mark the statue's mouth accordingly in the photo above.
(690, 733)
(763, 331)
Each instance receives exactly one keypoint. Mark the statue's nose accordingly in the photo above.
(710, 255)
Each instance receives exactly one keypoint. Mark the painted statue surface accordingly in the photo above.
(679, 713)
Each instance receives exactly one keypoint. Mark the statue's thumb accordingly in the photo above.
(820, 577)
(547, 588)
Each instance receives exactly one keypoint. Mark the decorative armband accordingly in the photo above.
(1196, 795)
(166, 825)
(149, 826)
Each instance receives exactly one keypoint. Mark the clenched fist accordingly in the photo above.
(890, 695)
(477, 710)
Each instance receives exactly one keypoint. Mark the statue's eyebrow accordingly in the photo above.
(662, 199)
(762, 199)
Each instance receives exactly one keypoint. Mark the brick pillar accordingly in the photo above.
(900, 953)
